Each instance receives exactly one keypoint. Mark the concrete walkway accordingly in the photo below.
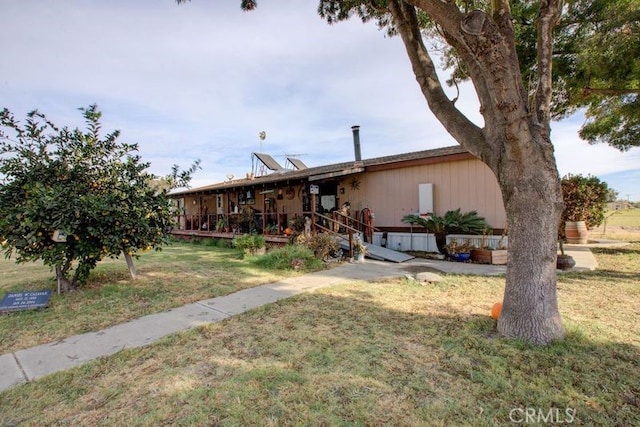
(33, 363)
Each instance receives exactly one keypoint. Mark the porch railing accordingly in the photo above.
(275, 223)
(257, 222)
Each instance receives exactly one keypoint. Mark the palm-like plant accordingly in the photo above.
(452, 222)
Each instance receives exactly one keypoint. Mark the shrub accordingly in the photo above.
(323, 245)
(222, 243)
(195, 240)
(290, 257)
(297, 223)
(249, 242)
(585, 199)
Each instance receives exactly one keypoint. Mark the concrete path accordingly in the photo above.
(33, 363)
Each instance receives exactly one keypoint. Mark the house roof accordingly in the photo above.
(318, 173)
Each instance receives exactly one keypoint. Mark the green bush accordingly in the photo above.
(323, 245)
(205, 241)
(249, 242)
(585, 199)
(290, 257)
(195, 240)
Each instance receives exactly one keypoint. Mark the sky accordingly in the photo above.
(201, 80)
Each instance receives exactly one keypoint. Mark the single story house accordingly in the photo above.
(382, 189)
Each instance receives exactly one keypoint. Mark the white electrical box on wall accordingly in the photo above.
(425, 199)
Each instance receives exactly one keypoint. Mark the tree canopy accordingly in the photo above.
(596, 57)
(74, 196)
(597, 66)
(596, 62)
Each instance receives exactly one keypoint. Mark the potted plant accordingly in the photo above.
(459, 251)
(585, 200)
(273, 229)
(359, 249)
(489, 255)
(564, 262)
(221, 225)
(453, 222)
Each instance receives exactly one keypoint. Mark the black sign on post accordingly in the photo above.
(14, 301)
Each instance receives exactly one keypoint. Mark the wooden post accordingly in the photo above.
(313, 211)
(264, 216)
(350, 243)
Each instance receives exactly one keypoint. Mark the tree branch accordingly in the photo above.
(456, 123)
(502, 17)
(547, 19)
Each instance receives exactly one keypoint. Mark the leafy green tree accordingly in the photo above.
(598, 62)
(73, 197)
(596, 59)
(452, 222)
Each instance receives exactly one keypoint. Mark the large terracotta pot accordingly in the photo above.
(576, 232)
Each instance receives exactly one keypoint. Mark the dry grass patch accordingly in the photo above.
(620, 225)
(385, 353)
(179, 274)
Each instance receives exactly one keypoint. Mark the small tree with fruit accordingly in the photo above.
(71, 198)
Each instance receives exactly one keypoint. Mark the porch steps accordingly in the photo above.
(380, 253)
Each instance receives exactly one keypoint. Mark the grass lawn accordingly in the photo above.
(622, 225)
(179, 274)
(624, 218)
(381, 353)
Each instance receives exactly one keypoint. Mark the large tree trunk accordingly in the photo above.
(514, 143)
(533, 201)
(441, 242)
(130, 265)
(64, 285)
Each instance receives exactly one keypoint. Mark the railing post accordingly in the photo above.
(313, 211)
(264, 214)
(278, 222)
(350, 243)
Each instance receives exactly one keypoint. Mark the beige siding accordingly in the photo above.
(466, 184)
